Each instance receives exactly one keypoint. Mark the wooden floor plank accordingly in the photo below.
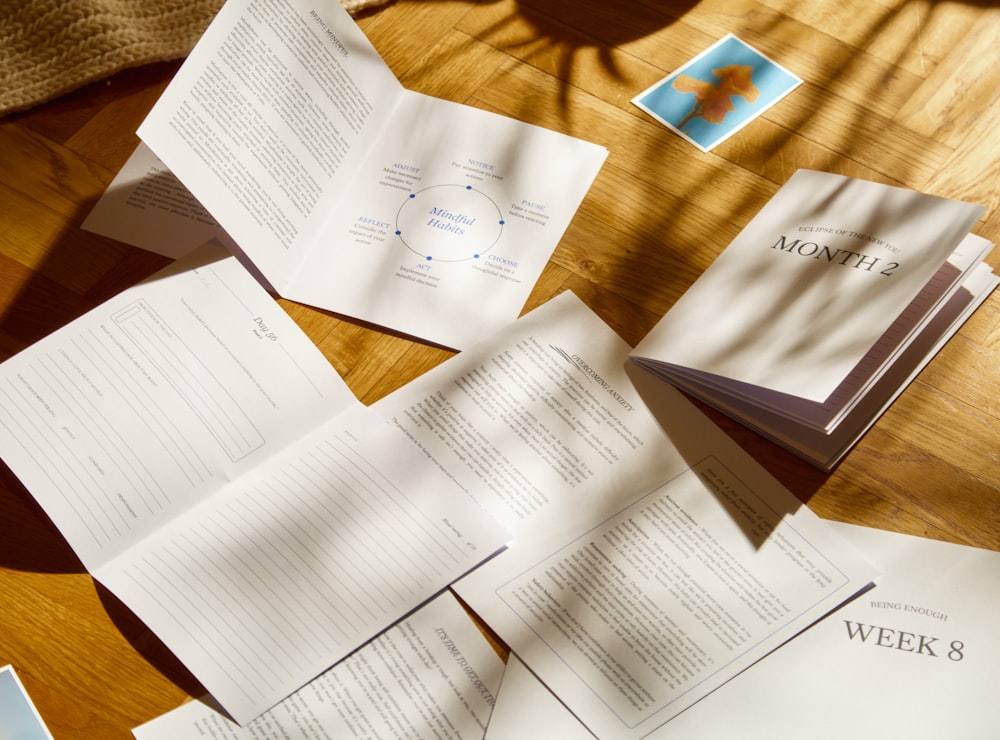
(899, 91)
(952, 99)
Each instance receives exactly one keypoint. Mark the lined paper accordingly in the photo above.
(289, 569)
(210, 467)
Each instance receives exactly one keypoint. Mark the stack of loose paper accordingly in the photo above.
(651, 559)
(345, 190)
(212, 470)
(823, 309)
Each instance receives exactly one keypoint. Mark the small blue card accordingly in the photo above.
(717, 93)
(18, 717)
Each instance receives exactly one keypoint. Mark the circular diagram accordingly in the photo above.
(449, 223)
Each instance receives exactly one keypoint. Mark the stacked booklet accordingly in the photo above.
(823, 308)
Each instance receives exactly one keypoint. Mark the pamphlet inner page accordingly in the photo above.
(914, 657)
(448, 223)
(431, 675)
(267, 120)
(357, 196)
(292, 567)
(642, 535)
(145, 406)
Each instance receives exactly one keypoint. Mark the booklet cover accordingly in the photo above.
(819, 299)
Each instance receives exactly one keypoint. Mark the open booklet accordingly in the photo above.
(352, 194)
(212, 470)
(651, 558)
(823, 308)
(917, 657)
(431, 675)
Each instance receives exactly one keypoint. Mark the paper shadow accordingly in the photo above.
(668, 408)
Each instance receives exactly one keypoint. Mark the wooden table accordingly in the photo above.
(895, 91)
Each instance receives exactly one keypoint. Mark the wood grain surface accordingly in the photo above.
(903, 92)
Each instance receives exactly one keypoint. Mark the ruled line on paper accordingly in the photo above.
(293, 568)
(116, 452)
(22, 423)
(157, 421)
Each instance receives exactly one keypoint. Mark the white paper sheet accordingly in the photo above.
(625, 520)
(915, 657)
(213, 471)
(140, 409)
(352, 194)
(147, 207)
(431, 676)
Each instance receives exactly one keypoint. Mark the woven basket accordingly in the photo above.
(50, 47)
